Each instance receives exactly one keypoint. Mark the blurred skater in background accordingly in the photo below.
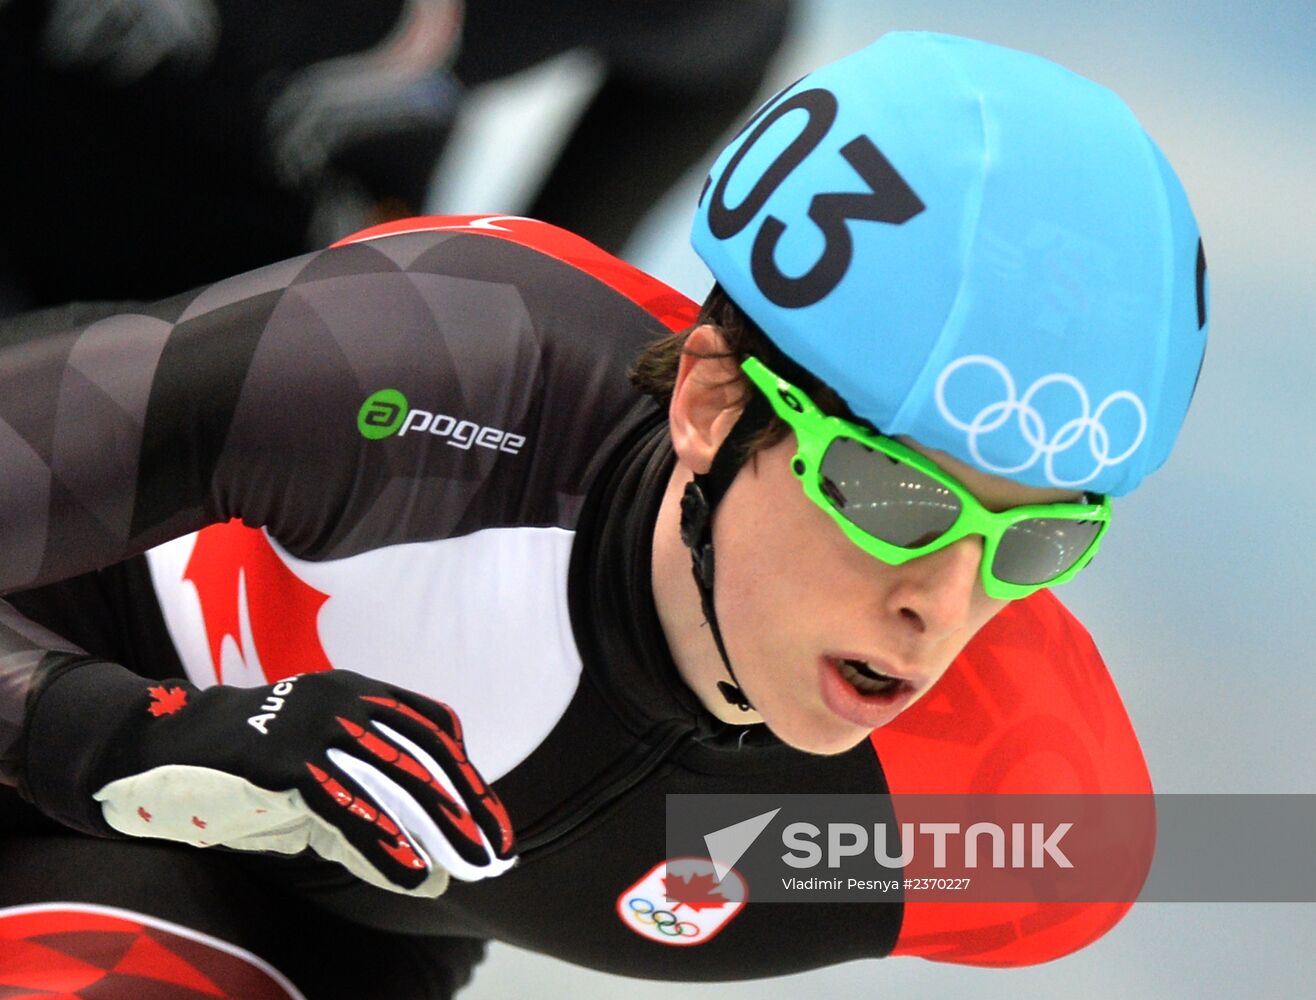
(187, 140)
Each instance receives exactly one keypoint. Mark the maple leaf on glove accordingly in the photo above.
(368, 775)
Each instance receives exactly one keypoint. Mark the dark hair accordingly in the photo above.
(654, 371)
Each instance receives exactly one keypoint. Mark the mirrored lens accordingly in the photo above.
(885, 497)
(1041, 548)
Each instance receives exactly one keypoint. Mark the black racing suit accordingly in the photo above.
(492, 549)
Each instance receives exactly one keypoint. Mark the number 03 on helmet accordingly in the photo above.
(977, 249)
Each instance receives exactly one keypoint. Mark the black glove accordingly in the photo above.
(363, 773)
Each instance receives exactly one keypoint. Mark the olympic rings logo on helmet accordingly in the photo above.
(1032, 426)
(664, 921)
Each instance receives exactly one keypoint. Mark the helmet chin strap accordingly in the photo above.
(698, 503)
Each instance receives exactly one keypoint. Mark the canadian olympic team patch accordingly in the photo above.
(75, 950)
(681, 902)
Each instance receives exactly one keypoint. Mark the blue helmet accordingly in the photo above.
(974, 247)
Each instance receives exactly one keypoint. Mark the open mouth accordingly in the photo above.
(864, 679)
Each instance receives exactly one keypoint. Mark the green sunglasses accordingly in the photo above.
(897, 505)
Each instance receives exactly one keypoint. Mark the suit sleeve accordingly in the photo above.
(410, 387)
(1029, 708)
(112, 431)
(244, 400)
